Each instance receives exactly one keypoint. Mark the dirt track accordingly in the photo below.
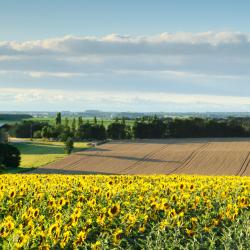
(189, 156)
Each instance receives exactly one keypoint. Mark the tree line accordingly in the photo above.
(145, 127)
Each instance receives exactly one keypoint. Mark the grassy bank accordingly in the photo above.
(38, 153)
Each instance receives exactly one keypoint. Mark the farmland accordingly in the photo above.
(124, 212)
(118, 204)
(228, 156)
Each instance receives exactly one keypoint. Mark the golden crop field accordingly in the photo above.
(202, 156)
(124, 212)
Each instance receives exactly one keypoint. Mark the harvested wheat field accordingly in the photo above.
(171, 156)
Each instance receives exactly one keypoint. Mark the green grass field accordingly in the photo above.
(38, 153)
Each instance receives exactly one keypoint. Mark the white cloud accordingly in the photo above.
(208, 52)
(81, 100)
(40, 74)
(172, 43)
(190, 64)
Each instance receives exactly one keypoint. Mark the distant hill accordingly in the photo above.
(17, 115)
(14, 117)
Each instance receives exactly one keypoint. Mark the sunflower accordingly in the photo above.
(35, 213)
(40, 237)
(65, 239)
(194, 221)
(174, 198)
(182, 186)
(44, 247)
(58, 217)
(234, 216)
(163, 224)
(101, 219)
(108, 194)
(142, 229)
(80, 238)
(172, 213)
(81, 198)
(154, 205)
(1, 196)
(54, 231)
(191, 188)
(190, 232)
(206, 229)
(114, 210)
(62, 201)
(92, 203)
(215, 222)
(51, 202)
(3, 231)
(243, 202)
(10, 225)
(12, 194)
(117, 235)
(22, 240)
(96, 246)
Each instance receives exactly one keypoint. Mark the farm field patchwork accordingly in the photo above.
(124, 212)
(51, 120)
(228, 156)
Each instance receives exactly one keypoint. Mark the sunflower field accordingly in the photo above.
(124, 212)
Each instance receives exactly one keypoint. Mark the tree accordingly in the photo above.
(69, 145)
(123, 120)
(141, 129)
(3, 136)
(73, 126)
(79, 122)
(157, 128)
(25, 129)
(84, 131)
(91, 132)
(9, 156)
(65, 134)
(58, 119)
(38, 134)
(95, 120)
(117, 131)
(98, 132)
(45, 132)
(66, 122)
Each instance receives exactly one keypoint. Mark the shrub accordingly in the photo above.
(9, 156)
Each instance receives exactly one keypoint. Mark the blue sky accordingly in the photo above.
(125, 55)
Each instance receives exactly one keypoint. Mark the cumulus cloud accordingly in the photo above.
(169, 43)
(210, 52)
